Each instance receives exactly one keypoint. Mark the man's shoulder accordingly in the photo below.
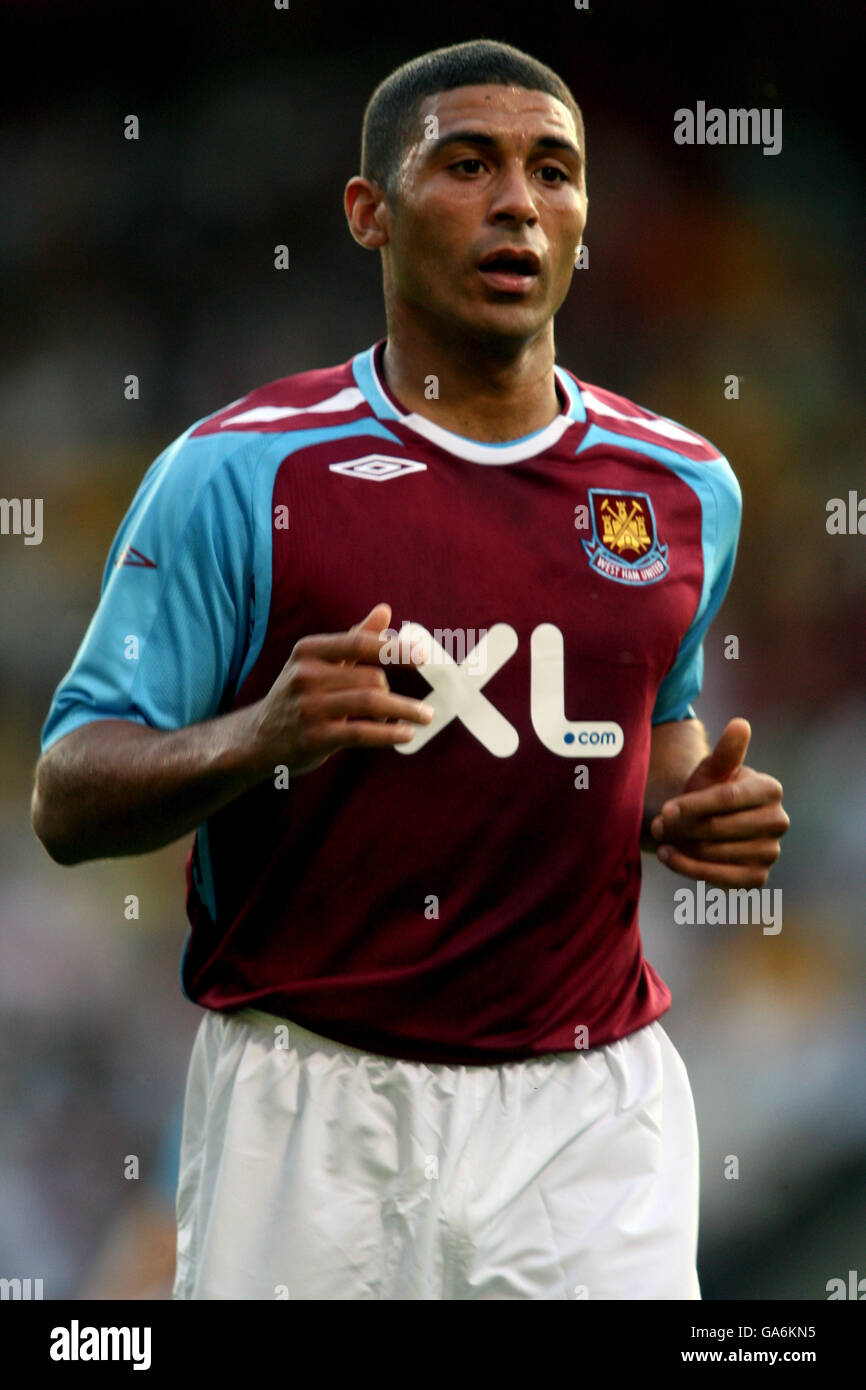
(221, 450)
(609, 410)
(658, 437)
(311, 399)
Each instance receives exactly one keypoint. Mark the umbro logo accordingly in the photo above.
(378, 468)
(130, 556)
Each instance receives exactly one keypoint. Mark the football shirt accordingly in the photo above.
(472, 896)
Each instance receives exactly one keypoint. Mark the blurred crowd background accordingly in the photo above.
(155, 257)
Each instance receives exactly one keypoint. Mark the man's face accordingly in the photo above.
(504, 171)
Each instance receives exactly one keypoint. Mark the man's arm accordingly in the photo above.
(113, 787)
(706, 814)
(675, 751)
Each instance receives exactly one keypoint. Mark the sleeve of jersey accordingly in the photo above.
(721, 502)
(171, 627)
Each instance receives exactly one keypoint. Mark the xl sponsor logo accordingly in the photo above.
(457, 694)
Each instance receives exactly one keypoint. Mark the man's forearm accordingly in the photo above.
(113, 787)
(677, 748)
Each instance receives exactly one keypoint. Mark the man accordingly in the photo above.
(411, 642)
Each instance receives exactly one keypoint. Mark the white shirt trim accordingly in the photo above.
(514, 451)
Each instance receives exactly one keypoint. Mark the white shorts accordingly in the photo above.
(318, 1171)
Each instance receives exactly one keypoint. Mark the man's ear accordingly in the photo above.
(367, 212)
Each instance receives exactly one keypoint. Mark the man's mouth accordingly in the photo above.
(510, 269)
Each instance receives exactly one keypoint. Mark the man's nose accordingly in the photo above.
(513, 197)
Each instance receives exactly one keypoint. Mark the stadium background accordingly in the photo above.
(155, 257)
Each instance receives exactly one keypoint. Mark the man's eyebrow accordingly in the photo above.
(478, 137)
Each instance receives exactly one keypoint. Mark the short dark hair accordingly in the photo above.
(392, 111)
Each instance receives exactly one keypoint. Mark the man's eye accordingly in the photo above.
(562, 176)
(461, 164)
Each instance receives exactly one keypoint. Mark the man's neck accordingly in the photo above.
(463, 388)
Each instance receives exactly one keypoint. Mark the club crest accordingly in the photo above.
(624, 545)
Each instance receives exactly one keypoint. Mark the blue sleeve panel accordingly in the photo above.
(718, 492)
(721, 507)
(169, 636)
(171, 642)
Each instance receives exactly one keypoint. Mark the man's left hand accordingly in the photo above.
(725, 825)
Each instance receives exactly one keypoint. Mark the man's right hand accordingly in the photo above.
(114, 786)
(332, 693)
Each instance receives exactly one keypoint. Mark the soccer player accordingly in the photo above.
(411, 642)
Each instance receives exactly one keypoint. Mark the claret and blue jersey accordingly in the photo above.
(472, 897)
